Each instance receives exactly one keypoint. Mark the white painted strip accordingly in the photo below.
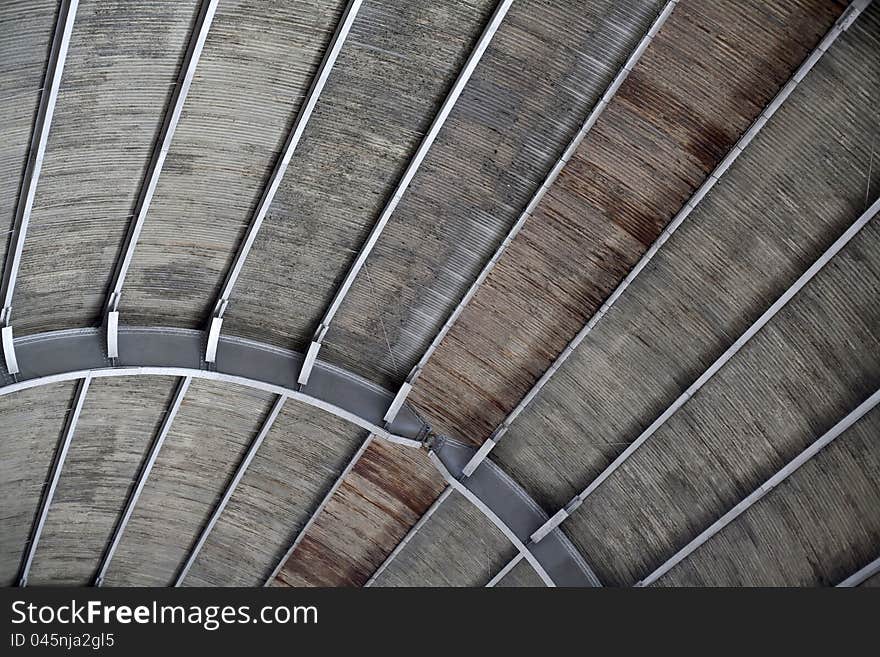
(863, 574)
(213, 339)
(414, 164)
(317, 512)
(230, 489)
(144, 474)
(673, 225)
(792, 466)
(8, 342)
(305, 113)
(713, 369)
(113, 334)
(503, 572)
(39, 139)
(493, 518)
(166, 135)
(536, 200)
(49, 491)
(410, 534)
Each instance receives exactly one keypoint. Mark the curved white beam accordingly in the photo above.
(515, 513)
(427, 141)
(66, 355)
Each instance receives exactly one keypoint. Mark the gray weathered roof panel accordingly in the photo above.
(300, 458)
(795, 189)
(258, 61)
(543, 72)
(30, 429)
(24, 49)
(121, 65)
(391, 76)
(815, 529)
(119, 418)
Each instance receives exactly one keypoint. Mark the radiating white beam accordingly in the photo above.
(230, 489)
(305, 112)
(144, 473)
(842, 24)
(713, 369)
(410, 534)
(861, 575)
(404, 182)
(530, 208)
(501, 574)
(792, 466)
(39, 139)
(49, 490)
(317, 512)
(163, 144)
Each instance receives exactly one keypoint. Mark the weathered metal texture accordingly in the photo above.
(735, 254)
(814, 529)
(386, 492)
(257, 63)
(28, 26)
(66, 355)
(115, 427)
(30, 430)
(121, 64)
(300, 458)
(542, 73)
(521, 576)
(515, 513)
(818, 359)
(390, 78)
(700, 83)
(458, 546)
(207, 439)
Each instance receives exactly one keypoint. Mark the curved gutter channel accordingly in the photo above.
(76, 353)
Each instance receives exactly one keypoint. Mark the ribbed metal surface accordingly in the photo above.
(818, 359)
(386, 492)
(215, 424)
(544, 70)
(121, 65)
(458, 546)
(24, 49)
(742, 247)
(119, 418)
(813, 530)
(392, 75)
(300, 458)
(258, 61)
(30, 428)
(700, 83)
